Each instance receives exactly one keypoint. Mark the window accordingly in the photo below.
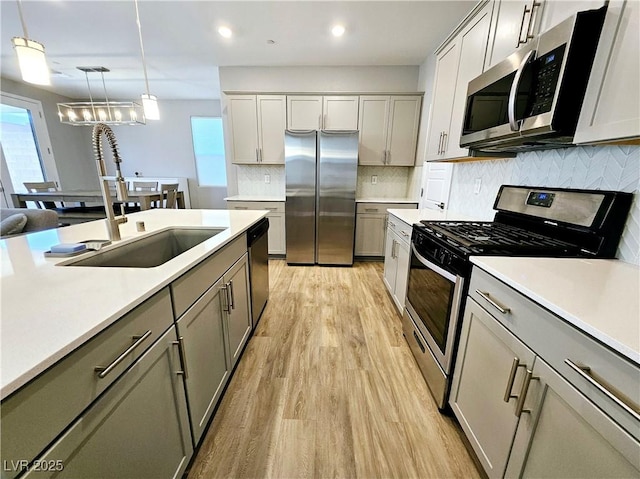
(208, 147)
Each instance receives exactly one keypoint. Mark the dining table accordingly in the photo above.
(144, 198)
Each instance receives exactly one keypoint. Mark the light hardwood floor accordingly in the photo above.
(327, 387)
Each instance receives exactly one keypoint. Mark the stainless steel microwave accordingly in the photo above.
(532, 100)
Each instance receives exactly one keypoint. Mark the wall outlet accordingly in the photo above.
(267, 179)
(476, 186)
(374, 179)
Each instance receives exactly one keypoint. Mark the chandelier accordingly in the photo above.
(82, 113)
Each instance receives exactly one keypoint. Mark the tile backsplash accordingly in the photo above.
(590, 167)
(251, 180)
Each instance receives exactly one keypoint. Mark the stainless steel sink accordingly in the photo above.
(150, 251)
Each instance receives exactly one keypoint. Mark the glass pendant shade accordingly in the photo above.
(150, 106)
(33, 64)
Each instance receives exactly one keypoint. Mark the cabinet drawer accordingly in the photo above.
(190, 286)
(402, 229)
(34, 415)
(559, 342)
(381, 208)
(275, 206)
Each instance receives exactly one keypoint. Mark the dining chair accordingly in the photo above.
(172, 194)
(40, 187)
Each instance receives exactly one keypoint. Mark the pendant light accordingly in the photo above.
(33, 64)
(149, 101)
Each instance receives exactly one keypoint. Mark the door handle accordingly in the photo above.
(441, 205)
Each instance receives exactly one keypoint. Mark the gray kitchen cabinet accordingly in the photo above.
(37, 413)
(396, 259)
(257, 124)
(138, 428)
(458, 62)
(371, 227)
(277, 232)
(316, 112)
(201, 332)
(236, 306)
(537, 397)
(514, 23)
(610, 109)
(388, 129)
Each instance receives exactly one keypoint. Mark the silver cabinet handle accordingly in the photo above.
(512, 377)
(183, 357)
(240, 207)
(513, 93)
(393, 225)
(404, 233)
(320, 122)
(439, 144)
(388, 157)
(257, 156)
(103, 371)
(445, 135)
(260, 151)
(585, 372)
(528, 377)
(528, 35)
(374, 210)
(226, 306)
(272, 209)
(393, 249)
(487, 297)
(232, 303)
(524, 14)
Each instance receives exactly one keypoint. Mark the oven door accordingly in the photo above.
(433, 301)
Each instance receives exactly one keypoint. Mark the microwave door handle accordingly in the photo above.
(513, 94)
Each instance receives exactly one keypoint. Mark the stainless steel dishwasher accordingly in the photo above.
(258, 246)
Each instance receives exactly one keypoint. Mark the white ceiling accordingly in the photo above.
(183, 49)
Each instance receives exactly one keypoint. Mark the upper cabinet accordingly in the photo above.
(388, 129)
(610, 109)
(257, 128)
(515, 23)
(458, 62)
(311, 112)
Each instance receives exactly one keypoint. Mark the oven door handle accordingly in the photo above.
(430, 265)
(513, 94)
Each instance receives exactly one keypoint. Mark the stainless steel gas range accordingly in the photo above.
(530, 221)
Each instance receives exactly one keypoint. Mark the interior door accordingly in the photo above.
(436, 184)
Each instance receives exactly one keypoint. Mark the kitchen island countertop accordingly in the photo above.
(599, 296)
(48, 311)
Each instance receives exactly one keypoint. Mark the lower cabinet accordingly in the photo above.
(524, 410)
(396, 260)
(201, 333)
(276, 234)
(138, 428)
(371, 227)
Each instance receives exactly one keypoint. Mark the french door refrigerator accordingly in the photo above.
(320, 213)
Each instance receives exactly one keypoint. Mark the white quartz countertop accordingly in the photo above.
(599, 296)
(414, 216)
(254, 198)
(48, 311)
(385, 200)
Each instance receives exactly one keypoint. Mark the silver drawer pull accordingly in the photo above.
(512, 377)
(183, 357)
(375, 210)
(272, 209)
(624, 403)
(392, 224)
(404, 233)
(103, 371)
(499, 307)
(240, 207)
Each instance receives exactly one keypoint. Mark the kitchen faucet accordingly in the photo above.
(113, 221)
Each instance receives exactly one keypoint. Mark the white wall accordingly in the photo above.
(71, 145)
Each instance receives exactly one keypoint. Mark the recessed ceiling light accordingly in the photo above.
(225, 32)
(337, 30)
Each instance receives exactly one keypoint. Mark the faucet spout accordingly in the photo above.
(113, 221)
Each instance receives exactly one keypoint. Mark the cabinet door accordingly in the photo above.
(610, 110)
(390, 261)
(340, 113)
(304, 112)
(473, 46)
(489, 357)
(404, 119)
(243, 120)
(444, 89)
(402, 273)
(202, 335)
(555, 12)
(138, 428)
(373, 125)
(272, 121)
(276, 234)
(370, 235)
(237, 305)
(566, 435)
(513, 20)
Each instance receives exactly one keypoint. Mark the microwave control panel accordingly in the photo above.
(546, 71)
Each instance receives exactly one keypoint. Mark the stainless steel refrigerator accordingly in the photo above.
(321, 171)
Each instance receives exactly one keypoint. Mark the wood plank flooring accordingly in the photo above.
(327, 387)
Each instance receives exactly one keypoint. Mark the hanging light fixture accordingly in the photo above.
(33, 64)
(81, 113)
(149, 101)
